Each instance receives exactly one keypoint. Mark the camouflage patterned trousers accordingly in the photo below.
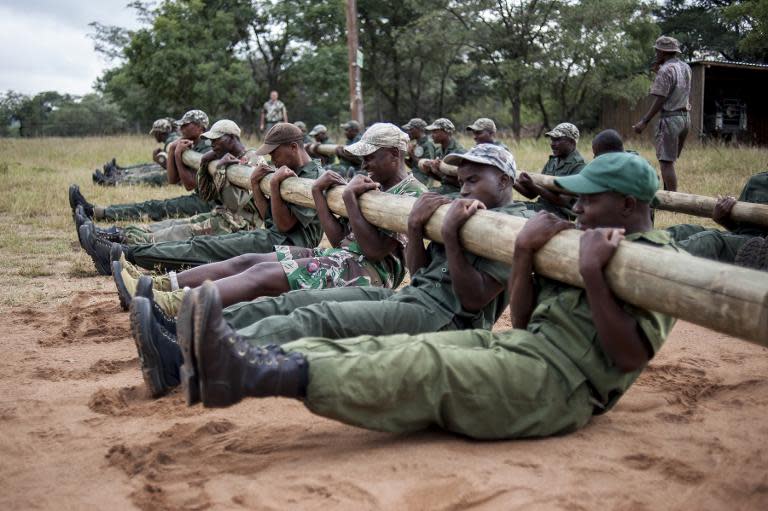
(218, 221)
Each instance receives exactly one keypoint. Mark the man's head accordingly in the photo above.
(563, 139)
(415, 128)
(284, 144)
(273, 95)
(193, 124)
(382, 147)
(301, 125)
(615, 190)
(225, 137)
(486, 173)
(441, 130)
(161, 128)
(607, 141)
(483, 130)
(351, 129)
(666, 48)
(320, 132)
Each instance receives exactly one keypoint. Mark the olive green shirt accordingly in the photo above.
(453, 147)
(568, 166)
(567, 336)
(755, 191)
(307, 232)
(424, 149)
(432, 286)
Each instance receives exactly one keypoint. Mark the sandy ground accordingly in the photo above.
(77, 432)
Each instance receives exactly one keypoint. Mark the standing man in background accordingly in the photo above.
(671, 90)
(272, 112)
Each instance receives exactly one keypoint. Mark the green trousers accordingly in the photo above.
(242, 315)
(348, 319)
(713, 244)
(680, 232)
(186, 205)
(175, 255)
(471, 382)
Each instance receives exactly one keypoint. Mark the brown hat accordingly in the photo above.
(280, 134)
(667, 44)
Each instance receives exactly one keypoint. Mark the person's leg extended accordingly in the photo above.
(221, 269)
(471, 382)
(716, 245)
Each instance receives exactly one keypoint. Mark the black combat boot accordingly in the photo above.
(159, 356)
(96, 247)
(75, 198)
(753, 254)
(227, 368)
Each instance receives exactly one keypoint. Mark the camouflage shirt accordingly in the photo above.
(453, 147)
(273, 111)
(236, 200)
(391, 269)
(571, 164)
(755, 191)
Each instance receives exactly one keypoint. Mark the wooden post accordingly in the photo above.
(688, 203)
(722, 297)
(355, 83)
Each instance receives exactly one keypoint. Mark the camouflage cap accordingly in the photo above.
(301, 125)
(416, 122)
(486, 154)
(222, 127)
(350, 124)
(667, 44)
(161, 126)
(483, 124)
(625, 173)
(196, 116)
(381, 134)
(319, 128)
(441, 124)
(280, 134)
(564, 129)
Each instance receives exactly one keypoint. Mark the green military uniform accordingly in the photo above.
(453, 148)
(568, 166)
(238, 212)
(172, 255)
(347, 265)
(428, 304)
(274, 112)
(547, 379)
(723, 245)
(186, 205)
(345, 167)
(425, 149)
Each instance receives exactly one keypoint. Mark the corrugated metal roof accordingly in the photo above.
(729, 63)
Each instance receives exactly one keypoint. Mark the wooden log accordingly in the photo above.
(688, 203)
(722, 297)
(324, 149)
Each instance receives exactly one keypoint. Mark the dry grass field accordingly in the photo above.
(79, 433)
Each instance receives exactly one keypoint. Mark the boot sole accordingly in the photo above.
(149, 357)
(202, 316)
(185, 334)
(122, 291)
(88, 241)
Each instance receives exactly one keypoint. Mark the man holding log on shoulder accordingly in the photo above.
(743, 243)
(284, 223)
(564, 161)
(420, 148)
(442, 131)
(320, 133)
(193, 125)
(237, 212)
(362, 255)
(573, 352)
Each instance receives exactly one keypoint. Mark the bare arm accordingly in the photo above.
(474, 288)
(374, 244)
(188, 177)
(261, 202)
(281, 214)
(425, 206)
(618, 332)
(655, 108)
(261, 119)
(173, 175)
(333, 229)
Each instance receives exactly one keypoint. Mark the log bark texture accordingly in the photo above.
(722, 297)
(688, 203)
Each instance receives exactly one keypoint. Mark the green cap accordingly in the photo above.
(624, 173)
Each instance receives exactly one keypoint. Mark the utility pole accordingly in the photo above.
(355, 65)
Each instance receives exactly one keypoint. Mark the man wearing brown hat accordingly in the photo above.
(421, 147)
(284, 223)
(671, 90)
(564, 161)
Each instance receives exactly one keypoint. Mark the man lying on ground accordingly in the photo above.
(573, 353)
(362, 254)
(284, 223)
(450, 289)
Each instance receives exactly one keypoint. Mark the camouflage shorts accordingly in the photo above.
(319, 268)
